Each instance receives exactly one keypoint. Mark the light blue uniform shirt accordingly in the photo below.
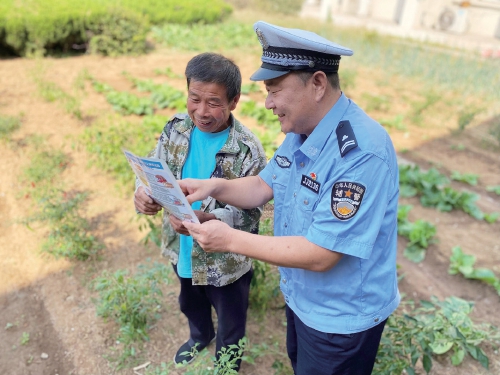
(200, 163)
(309, 178)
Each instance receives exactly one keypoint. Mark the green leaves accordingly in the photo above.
(420, 234)
(434, 191)
(464, 264)
(468, 178)
(433, 329)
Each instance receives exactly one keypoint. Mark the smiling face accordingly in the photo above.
(208, 106)
(293, 101)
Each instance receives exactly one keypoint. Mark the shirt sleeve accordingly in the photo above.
(339, 224)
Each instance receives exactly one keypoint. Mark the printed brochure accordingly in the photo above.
(160, 184)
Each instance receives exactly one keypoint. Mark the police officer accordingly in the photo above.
(334, 181)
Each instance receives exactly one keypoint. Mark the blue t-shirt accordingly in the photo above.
(346, 204)
(200, 163)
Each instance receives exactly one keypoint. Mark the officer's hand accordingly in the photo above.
(212, 236)
(195, 190)
(179, 226)
(144, 203)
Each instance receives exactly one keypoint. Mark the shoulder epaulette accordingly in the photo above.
(345, 137)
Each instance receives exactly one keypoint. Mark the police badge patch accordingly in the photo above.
(282, 161)
(346, 199)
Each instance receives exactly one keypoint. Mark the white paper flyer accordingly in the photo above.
(160, 184)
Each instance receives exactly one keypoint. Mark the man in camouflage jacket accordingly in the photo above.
(242, 155)
(209, 142)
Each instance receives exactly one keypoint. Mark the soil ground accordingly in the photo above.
(50, 300)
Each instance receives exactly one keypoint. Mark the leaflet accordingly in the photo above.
(160, 184)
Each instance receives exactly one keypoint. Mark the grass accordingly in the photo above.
(8, 125)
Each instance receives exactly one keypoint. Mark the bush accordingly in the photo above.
(112, 27)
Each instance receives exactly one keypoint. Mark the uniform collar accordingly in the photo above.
(314, 144)
(230, 147)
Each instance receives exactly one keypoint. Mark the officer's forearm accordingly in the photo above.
(286, 251)
(246, 192)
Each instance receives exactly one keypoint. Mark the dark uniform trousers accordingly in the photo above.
(230, 303)
(318, 353)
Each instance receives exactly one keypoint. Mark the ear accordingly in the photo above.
(320, 83)
(234, 102)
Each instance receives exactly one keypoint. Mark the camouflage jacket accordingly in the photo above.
(242, 155)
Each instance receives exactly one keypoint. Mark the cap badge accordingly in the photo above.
(262, 39)
(311, 64)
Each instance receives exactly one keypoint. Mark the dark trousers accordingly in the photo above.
(319, 353)
(230, 303)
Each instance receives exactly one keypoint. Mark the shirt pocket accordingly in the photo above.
(280, 182)
(305, 204)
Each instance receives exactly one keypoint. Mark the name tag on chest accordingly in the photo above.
(309, 183)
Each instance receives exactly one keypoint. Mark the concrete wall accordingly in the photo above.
(475, 17)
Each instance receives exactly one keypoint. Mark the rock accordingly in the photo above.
(44, 356)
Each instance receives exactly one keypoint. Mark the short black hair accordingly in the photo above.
(214, 68)
(333, 78)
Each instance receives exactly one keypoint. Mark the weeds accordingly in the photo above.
(434, 191)
(105, 140)
(264, 117)
(52, 92)
(133, 302)
(25, 338)
(466, 116)
(418, 108)
(8, 125)
(433, 329)
(468, 178)
(494, 189)
(68, 235)
(420, 234)
(464, 264)
(375, 102)
(394, 123)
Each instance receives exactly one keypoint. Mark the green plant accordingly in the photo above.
(494, 189)
(433, 329)
(153, 225)
(118, 32)
(376, 102)
(264, 288)
(464, 264)
(52, 92)
(459, 147)
(105, 140)
(434, 191)
(347, 79)
(203, 37)
(39, 178)
(168, 72)
(250, 87)
(420, 234)
(133, 302)
(468, 178)
(396, 123)
(25, 338)
(8, 125)
(39, 27)
(418, 108)
(466, 116)
(68, 235)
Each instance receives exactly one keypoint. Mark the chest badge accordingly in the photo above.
(310, 183)
(346, 199)
(345, 137)
(282, 161)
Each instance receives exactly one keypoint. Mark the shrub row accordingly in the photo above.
(111, 27)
